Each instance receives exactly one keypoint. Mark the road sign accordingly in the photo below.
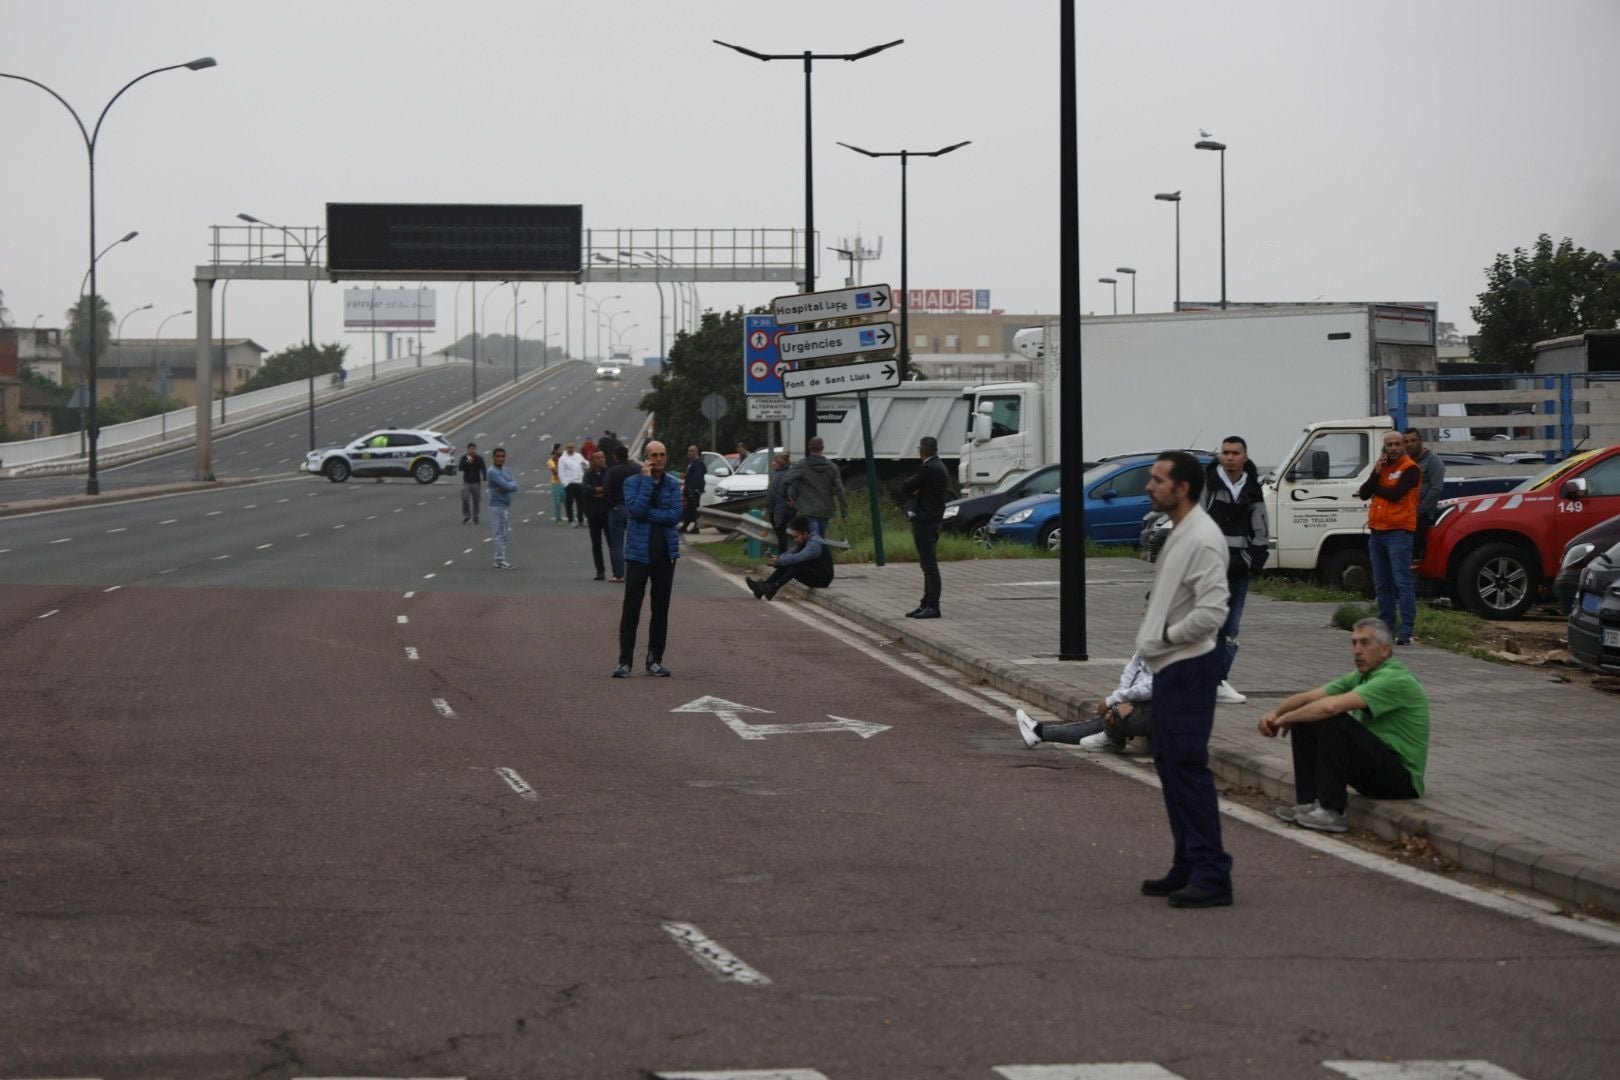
(769, 409)
(80, 398)
(714, 406)
(762, 363)
(842, 379)
(845, 341)
(834, 304)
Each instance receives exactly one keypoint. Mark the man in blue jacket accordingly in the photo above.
(652, 508)
(501, 486)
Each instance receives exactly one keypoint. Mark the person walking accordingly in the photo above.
(813, 485)
(1392, 516)
(1232, 497)
(1185, 611)
(502, 485)
(571, 471)
(613, 490)
(473, 477)
(596, 509)
(808, 562)
(778, 511)
(558, 492)
(652, 505)
(925, 492)
(692, 485)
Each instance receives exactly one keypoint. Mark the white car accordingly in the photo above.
(609, 371)
(752, 477)
(414, 452)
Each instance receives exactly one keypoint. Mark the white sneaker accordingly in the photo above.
(1228, 696)
(1291, 814)
(1321, 819)
(1102, 743)
(1026, 728)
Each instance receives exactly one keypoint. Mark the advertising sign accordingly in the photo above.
(388, 309)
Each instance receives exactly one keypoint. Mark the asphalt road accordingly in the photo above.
(294, 784)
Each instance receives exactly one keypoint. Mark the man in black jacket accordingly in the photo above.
(1232, 497)
(692, 484)
(613, 492)
(926, 491)
(594, 497)
(473, 472)
(808, 562)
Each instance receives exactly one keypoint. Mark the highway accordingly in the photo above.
(293, 783)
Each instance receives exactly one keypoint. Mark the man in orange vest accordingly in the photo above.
(1393, 488)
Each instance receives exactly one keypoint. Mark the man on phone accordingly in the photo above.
(652, 508)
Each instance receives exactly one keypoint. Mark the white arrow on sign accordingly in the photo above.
(845, 341)
(841, 379)
(730, 714)
(834, 304)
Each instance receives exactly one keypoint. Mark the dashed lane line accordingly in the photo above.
(444, 708)
(213, 513)
(261, 547)
(517, 784)
(112, 588)
(429, 577)
(411, 653)
(402, 619)
(410, 594)
(64, 540)
(49, 613)
(716, 958)
(170, 521)
(120, 529)
(218, 558)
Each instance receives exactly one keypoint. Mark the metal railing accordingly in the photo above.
(1551, 415)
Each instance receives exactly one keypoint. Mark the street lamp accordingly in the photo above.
(126, 238)
(92, 484)
(1112, 283)
(309, 261)
(162, 387)
(118, 343)
(905, 279)
(1132, 272)
(1211, 144)
(809, 172)
(630, 256)
(582, 324)
(224, 368)
(1175, 197)
(516, 303)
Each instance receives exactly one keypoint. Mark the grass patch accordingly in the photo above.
(1345, 616)
(1299, 590)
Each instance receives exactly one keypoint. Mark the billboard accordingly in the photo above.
(474, 241)
(388, 309)
(948, 299)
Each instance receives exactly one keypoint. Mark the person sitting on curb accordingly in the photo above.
(1123, 713)
(1369, 729)
(809, 562)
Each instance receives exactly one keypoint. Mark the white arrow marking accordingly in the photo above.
(728, 712)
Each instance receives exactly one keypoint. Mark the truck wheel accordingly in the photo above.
(425, 471)
(337, 470)
(1497, 581)
(1051, 537)
(1349, 569)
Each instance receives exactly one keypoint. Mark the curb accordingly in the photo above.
(1506, 857)
(79, 502)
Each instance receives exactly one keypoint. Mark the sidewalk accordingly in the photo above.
(1521, 774)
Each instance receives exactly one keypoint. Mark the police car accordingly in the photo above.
(412, 452)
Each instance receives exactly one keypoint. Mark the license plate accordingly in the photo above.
(1611, 638)
(1591, 601)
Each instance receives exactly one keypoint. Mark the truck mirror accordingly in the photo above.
(1573, 489)
(981, 427)
(1319, 465)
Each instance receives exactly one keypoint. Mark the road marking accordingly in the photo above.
(4, 550)
(170, 570)
(171, 521)
(744, 1074)
(213, 513)
(469, 551)
(251, 506)
(261, 547)
(280, 501)
(411, 653)
(402, 619)
(1118, 1070)
(712, 955)
(450, 562)
(114, 588)
(339, 525)
(410, 594)
(429, 577)
(300, 536)
(117, 530)
(517, 784)
(49, 613)
(1420, 1070)
(728, 712)
(371, 517)
(64, 540)
(444, 708)
(217, 558)
(397, 509)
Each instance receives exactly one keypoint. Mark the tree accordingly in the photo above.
(79, 322)
(709, 361)
(1570, 290)
(1446, 334)
(5, 316)
(292, 364)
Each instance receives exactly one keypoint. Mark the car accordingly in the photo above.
(972, 515)
(1495, 553)
(750, 478)
(1578, 553)
(718, 467)
(609, 371)
(414, 452)
(1115, 503)
(1594, 622)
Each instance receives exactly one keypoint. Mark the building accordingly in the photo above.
(973, 345)
(173, 362)
(25, 411)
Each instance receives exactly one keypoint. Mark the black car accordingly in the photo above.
(1594, 625)
(972, 514)
(1581, 550)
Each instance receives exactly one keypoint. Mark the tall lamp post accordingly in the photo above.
(163, 383)
(809, 59)
(126, 238)
(1175, 197)
(905, 279)
(1112, 283)
(659, 285)
(309, 251)
(516, 303)
(1220, 147)
(224, 368)
(92, 483)
(597, 306)
(118, 343)
(1132, 272)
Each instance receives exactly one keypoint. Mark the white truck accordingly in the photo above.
(901, 415)
(1191, 378)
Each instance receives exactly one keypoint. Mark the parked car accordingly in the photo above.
(1495, 553)
(1578, 554)
(1115, 502)
(424, 455)
(1594, 624)
(719, 467)
(972, 515)
(750, 478)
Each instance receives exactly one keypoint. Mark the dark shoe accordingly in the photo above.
(465, 520)
(916, 611)
(1198, 896)
(622, 671)
(1163, 886)
(656, 667)
(600, 577)
(927, 613)
(756, 587)
(1404, 639)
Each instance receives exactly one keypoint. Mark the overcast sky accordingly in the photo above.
(1378, 149)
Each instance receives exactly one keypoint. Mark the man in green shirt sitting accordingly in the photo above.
(1369, 729)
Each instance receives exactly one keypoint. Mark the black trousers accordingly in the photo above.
(636, 577)
(574, 501)
(926, 537)
(1183, 715)
(689, 510)
(796, 572)
(1139, 722)
(1336, 751)
(598, 521)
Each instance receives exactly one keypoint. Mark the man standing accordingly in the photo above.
(1429, 489)
(652, 505)
(473, 472)
(1392, 517)
(809, 562)
(1369, 729)
(1232, 498)
(926, 491)
(1185, 611)
(613, 489)
(571, 474)
(596, 509)
(813, 483)
(501, 486)
(692, 485)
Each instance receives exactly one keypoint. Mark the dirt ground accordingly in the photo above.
(1541, 640)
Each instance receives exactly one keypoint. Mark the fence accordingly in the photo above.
(1550, 415)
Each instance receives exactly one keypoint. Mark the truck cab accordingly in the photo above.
(1005, 435)
(1318, 522)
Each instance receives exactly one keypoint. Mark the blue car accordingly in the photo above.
(1116, 502)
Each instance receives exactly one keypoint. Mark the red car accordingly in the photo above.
(1496, 552)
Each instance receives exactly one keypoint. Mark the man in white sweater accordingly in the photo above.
(1185, 612)
(571, 474)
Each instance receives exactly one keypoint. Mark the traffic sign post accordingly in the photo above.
(836, 304)
(841, 379)
(762, 361)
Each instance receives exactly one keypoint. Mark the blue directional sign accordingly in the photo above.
(762, 360)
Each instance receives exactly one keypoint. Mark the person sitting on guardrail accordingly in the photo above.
(1125, 712)
(808, 562)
